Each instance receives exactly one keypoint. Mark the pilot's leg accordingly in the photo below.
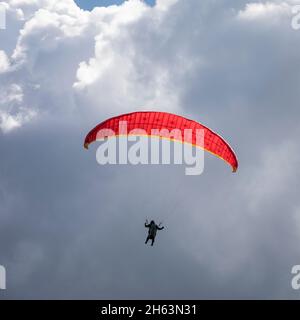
(152, 241)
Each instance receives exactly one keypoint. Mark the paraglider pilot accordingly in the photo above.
(152, 230)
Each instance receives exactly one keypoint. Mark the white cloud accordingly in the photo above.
(13, 113)
(88, 52)
(4, 63)
(266, 11)
(13, 94)
(8, 122)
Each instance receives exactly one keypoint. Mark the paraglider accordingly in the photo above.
(153, 227)
(159, 124)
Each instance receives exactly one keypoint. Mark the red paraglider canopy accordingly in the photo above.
(149, 120)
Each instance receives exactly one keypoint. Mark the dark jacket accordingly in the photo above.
(152, 229)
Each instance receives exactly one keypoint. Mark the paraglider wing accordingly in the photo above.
(149, 120)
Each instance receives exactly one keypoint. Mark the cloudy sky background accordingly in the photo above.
(70, 228)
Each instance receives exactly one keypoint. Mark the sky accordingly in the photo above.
(70, 228)
(90, 4)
